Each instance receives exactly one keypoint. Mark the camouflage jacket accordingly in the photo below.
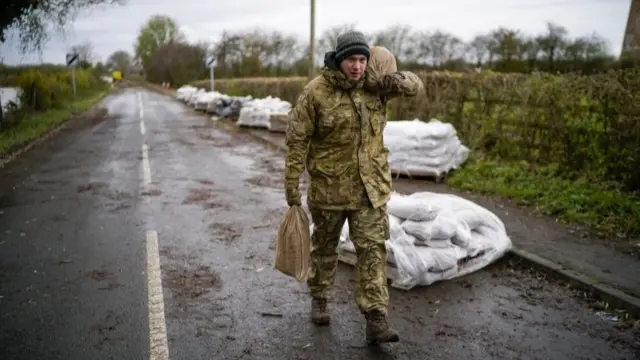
(336, 131)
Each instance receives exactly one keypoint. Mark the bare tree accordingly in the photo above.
(120, 60)
(478, 49)
(552, 42)
(86, 56)
(396, 38)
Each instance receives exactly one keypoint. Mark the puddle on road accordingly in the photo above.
(237, 160)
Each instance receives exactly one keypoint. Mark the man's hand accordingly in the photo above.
(293, 196)
(401, 83)
(391, 81)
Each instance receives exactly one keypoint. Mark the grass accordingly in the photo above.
(600, 207)
(33, 126)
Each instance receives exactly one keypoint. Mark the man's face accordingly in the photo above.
(354, 66)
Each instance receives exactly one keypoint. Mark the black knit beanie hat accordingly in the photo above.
(351, 43)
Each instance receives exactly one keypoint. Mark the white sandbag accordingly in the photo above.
(257, 112)
(423, 148)
(185, 92)
(435, 243)
(406, 208)
(205, 99)
(195, 96)
(477, 238)
(418, 129)
(440, 228)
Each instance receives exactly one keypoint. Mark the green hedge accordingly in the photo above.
(41, 90)
(586, 126)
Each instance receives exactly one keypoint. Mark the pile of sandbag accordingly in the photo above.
(436, 237)
(191, 101)
(205, 98)
(257, 112)
(185, 93)
(226, 106)
(423, 148)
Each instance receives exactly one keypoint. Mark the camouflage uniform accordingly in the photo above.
(335, 132)
(341, 125)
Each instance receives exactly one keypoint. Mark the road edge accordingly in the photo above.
(604, 292)
(615, 298)
(29, 145)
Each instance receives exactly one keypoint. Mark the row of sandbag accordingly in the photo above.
(249, 111)
(435, 237)
(212, 102)
(415, 147)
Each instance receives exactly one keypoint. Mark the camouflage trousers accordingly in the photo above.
(368, 230)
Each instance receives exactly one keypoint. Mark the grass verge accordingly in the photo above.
(597, 206)
(36, 125)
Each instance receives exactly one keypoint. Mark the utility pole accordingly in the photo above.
(631, 41)
(312, 40)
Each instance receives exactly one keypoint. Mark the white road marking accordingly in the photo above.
(140, 107)
(158, 344)
(146, 168)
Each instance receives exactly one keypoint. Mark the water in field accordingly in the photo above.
(8, 94)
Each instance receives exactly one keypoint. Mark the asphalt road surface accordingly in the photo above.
(155, 216)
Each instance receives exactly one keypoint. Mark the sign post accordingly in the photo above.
(73, 59)
(210, 62)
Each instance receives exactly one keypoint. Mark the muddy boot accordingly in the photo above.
(378, 329)
(319, 313)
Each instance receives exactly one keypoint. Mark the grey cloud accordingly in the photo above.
(111, 29)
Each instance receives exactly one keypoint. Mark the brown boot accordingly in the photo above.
(378, 329)
(319, 313)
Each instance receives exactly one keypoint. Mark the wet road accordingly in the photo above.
(86, 218)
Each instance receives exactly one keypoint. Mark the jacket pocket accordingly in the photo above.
(376, 115)
(325, 190)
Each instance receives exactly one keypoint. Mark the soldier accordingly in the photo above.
(336, 131)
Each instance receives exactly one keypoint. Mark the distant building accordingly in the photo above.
(631, 42)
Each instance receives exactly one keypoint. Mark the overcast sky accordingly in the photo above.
(116, 28)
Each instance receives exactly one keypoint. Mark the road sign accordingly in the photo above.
(210, 60)
(73, 59)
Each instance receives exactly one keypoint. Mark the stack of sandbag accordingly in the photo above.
(185, 92)
(206, 98)
(423, 148)
(194, 97)
(257, 113)
(436, 237)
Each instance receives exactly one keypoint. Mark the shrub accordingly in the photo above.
(586, 126)
(41, 90)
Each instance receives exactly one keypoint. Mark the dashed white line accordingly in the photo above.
(158, 344)
(140, 107)
(146, 168)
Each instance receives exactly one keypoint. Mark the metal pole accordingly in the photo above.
(73, 79)
(211, 76)
(312, 40)
(1, 111)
